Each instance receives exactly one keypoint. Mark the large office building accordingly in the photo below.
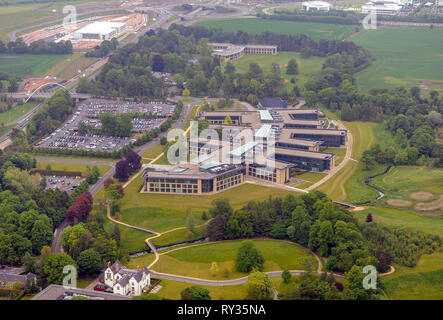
(100, 30)
(263, 145)
(231, 52)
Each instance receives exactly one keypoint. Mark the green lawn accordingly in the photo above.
(166, 211)
(171, 290)
(23, 65)
(348, 183)
(16, 112)
(59, 156)
(423, 282)
(196, 261)
(306, 67)
(401, 218)
(255, 26)
(400, 61)
(156, 218)
(65, 166)
(176, 236)
(152, 153)
(131, 240)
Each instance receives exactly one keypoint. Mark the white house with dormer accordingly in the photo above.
(126, 282)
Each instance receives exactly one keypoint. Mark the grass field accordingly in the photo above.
(16, 112)
(400, 61)
(423, 282)
(55, 156)
(136, 204)
(196, 261)
(171, 290)
(339, 154)
(131, 240)
(152, 153)
(23, 65)
(65, 166)
(176, 236)
(401, 218)
(70, 66)
(348, 183)
(306, 67)
(314, 30)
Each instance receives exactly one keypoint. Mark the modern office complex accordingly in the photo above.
(231, 52)
(263, 145)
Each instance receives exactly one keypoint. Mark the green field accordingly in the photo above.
(306, 67)
(66, 166)
(406, 56)
(170, 210)
(404, 219)
(348, 183)
(23, 65)
(423, 282)
(255, 26)
(16, 112)
(171, 290)
(196, 261)
(176, 236)
(131, 240)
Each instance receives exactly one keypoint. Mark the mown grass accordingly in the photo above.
(196, 261)
(402, 219)
(23, 65)
(423, 282)
(69, 67)
(399, 61)
(306, 66)
(66, 166)
(176, 236)
(152, 153)
(131, 240)
(16, 112)
(316, 31)
(171, 290)
(166, 211)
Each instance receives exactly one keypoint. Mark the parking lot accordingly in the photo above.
(149, 116)
(64, 183)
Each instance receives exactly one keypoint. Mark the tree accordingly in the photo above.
(80, 208)
(134, 161)
(259, 286)
(248, 257)
(195, 293)
(368, 160)
(30, 263)
(122, 170)
(286, 276)
(53, 267)
(227, 120)
(226, 271)
(384, 260)
(108, 182)
(158, 63)
(163, 140)
(186, 93)
(214, 269)
(292, 67)
(89, 262)
(369, 217)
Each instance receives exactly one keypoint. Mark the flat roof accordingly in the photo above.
(238, 152)
(335, 132)
(210, 165)
(265, 115)
(286, 137)
(101, 27)
(264, 131)
(58, 292)
(303, 153)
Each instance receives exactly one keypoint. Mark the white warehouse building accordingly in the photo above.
(100, 30)
(316, 6)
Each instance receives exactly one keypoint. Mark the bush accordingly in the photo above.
(195, 293)
(249, 258)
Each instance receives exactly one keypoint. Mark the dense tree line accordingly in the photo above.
(130, 163)
(313, 220)
(8, 83)
(37, 47)
(28, 213)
